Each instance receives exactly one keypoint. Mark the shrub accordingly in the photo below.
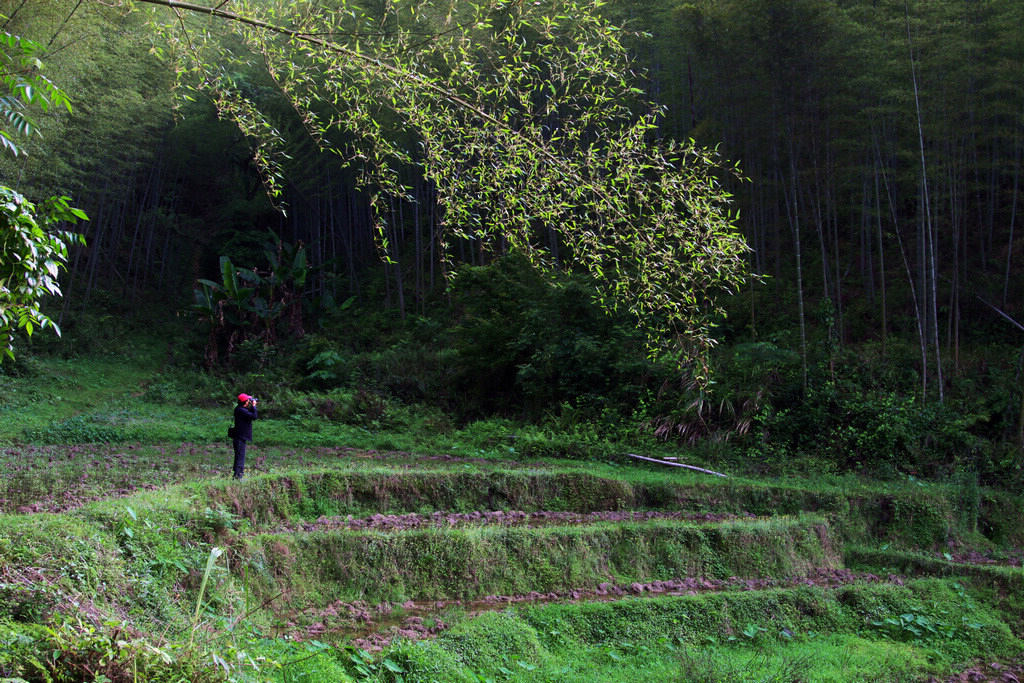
(492, 641)
(96, 428)
(422, 662)
(526, 346)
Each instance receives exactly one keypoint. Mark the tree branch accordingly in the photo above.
(445, 93)
(676, 464)
(1005, 315)
(334, 47)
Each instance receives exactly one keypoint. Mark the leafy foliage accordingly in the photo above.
(525, 119)
(20, 76)
(249, 306)
(31, 258)
(747, 377)
(538, 347)
(32, 253)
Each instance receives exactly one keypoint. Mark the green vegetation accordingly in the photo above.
(563, 145)
(32, 250)
(472, 256)
(360, 563)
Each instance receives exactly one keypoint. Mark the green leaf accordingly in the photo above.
(229, 277)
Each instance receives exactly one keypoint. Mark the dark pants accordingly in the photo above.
(239, 457)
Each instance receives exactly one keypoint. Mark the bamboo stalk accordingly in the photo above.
(676, 464)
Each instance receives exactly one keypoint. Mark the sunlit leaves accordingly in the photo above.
(32, 253)
(524, 117)
(21, 79)
(31, 257)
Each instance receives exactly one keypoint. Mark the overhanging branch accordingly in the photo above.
(444, 93)
(339, 49)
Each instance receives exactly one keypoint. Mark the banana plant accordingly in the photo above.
(247, 305)
(289, 270)
(238, 287)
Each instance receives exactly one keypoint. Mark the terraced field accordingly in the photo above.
(148, 563)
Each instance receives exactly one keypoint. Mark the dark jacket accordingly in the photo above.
(243, 421)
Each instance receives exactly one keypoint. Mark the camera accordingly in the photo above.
(255, 400)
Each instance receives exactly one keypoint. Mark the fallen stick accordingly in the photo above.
(676, 464)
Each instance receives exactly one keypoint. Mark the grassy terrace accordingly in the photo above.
(128, 554)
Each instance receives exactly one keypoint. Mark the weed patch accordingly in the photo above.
(474, 563)
(793, 634)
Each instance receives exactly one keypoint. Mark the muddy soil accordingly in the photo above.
(60, 478)
(988, 672)
(373, 627)
(403, 522)
(1011, 558)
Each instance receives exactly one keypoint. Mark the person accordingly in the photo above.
(245, 413)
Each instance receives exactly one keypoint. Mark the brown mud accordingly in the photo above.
(988, 672)
(79, 474)
(373, 627)
(1012, 558)
(505, 518)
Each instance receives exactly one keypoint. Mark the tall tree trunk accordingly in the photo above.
(931, 291)
(956, 213)
(918, 318)
(1013, 214)
(395, 248)
(881, 264)
(420, 294)
(793, 209)
(831, 214)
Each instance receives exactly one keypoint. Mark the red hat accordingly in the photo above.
(242, 398)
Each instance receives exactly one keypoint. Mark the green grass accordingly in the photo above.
(785, 635)
(834, 659)
(61, 389)
(154, 565)
(476, 562)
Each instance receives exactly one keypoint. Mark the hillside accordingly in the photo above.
(478, 259)
(337, 560)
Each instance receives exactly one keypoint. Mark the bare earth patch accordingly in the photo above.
(989, 672)
(402, 522)
(373, 627)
